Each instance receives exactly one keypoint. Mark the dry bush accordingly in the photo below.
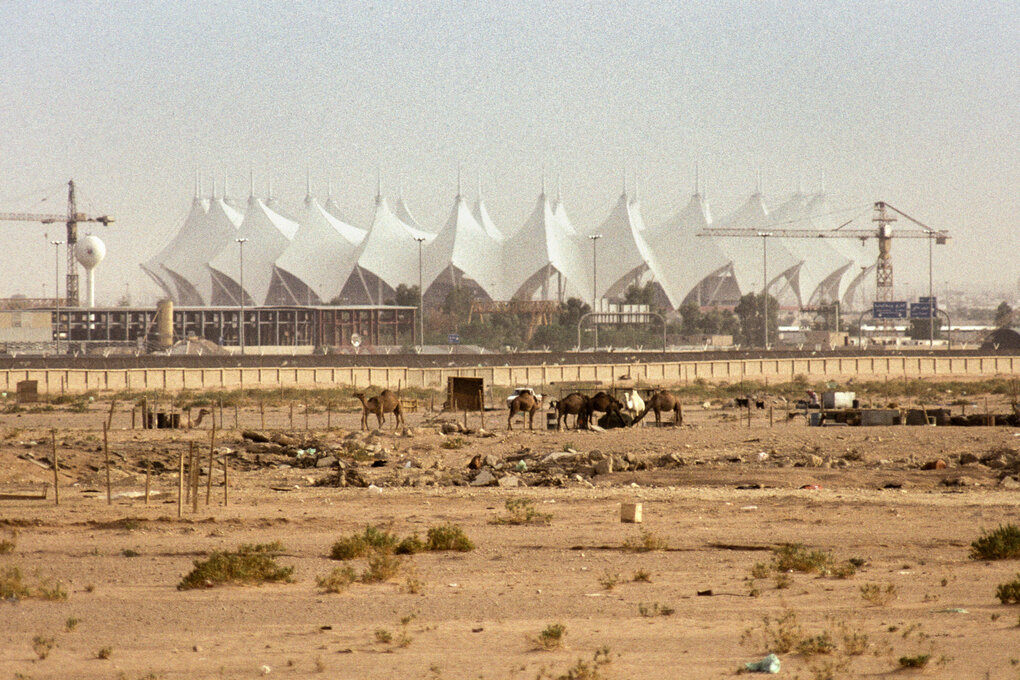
(1001, 544)
(249, 564)
(876, 594)
(522, 511)
(551, 637)
(448, 537)
(381, 567)
(338, 580)
(371, 540)
(42, 645)
(646, 542)
(12, 585)
(1009, 592)
(608, 580)
(642, 576)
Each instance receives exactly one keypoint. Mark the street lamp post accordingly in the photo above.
(595, 285)
(765, 285)
(240, 262)
(931, 293)
(56, 286)
(421, 296)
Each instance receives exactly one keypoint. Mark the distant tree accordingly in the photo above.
(920, 329)
(572, 310)
(406, 296)
(1003, 313)
(640, 295)
(691, 315)
(458, 302)
(749, 311)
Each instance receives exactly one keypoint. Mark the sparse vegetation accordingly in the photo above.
(338, 580)
(411, 545)
(104, 653)
(383, 636)
(448, 537)
(381, 567)
(1009, 592)
(249, 564)
(42, 646)
(71, 623)
(916, 661)
(56, 591)
(522, 511)
(371, 540)
(1001, 544)
(877, 594)
(642, 576)
(655, 610)
(551, 636)
(128, 552)
(412, 581)
(796, 557)
(453, 443)
(609, 580)
(646, 542)
(7, 545)
(12, 584)
(582, 670)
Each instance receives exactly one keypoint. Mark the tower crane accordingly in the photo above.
(71, 219)
(884, 216)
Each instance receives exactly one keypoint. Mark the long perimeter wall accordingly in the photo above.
(72, 381)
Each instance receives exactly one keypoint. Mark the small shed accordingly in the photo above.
(28, 391)
(465, 394)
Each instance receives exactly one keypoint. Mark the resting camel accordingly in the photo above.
(386, 402)
(602, 402)
(663, 402)
(524, 403)
(574, 404)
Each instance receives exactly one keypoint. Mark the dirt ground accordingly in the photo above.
(855, 492)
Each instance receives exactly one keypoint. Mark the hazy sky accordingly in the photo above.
(916, 103)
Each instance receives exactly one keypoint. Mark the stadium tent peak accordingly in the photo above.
(187, 266)
(687, 264)
(745, 254)
(543, 252)
(403, 213)
(481, 215)
(318, 261)
(463, 254)
(191, 230)
(860, 254)
(267, 235)
(623, 257)
(387, 258)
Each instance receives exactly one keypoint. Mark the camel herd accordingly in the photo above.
(581, 406)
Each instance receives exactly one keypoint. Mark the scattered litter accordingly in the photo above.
(811, 487)
(135, 494)
(770, 664)
(477, 630)
(372, 488)
(594, 595)
(749, 507)
(451, 585)
(705, 593)
(522, 466)
(745, 487)
(265, 670)
(762, 456)
(951, 610)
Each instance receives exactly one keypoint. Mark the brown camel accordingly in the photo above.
(386, 402)
(524, 403)
(663, 402)
(202, 413)
(573, 404)
(603, 403)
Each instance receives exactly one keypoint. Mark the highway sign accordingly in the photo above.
(922, 310)
(453, 339)
(896, 309)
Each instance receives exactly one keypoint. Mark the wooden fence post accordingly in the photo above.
(225, 499)
(262, 414)
(56, 469)
(208, 485)
(148, 476)
(180, 482)
(106, 454)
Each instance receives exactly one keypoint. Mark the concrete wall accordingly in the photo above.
(57, 381)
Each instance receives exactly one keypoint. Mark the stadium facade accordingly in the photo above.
(309, 254)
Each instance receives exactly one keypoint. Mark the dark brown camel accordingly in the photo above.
(573, 404)
(386, 402)
(202, 413)
(524, 403)
(602, 402)
(663, 402)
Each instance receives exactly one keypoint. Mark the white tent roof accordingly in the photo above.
(268, 234)
(623, 256)
(389, 251)
(188, 233)
(540, 249)
(324, 251)
(861, 255)
(403, 213)
(187, 265)
(745, 254)
(822, 267)
(464, 244)
(481, 215)
(684, 259)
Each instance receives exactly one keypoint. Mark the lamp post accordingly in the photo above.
(56, 285)
(765, 285)
(594, 284)
(240, 261)
(421, 296)
(931, 293)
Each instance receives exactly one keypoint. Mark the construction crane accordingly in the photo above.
(71, 219)
(883, 216)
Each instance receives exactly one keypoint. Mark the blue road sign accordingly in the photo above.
(453, 339)
(921, 310)
(924, 300)
(889, 310)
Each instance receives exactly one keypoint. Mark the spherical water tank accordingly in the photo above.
(90, 251)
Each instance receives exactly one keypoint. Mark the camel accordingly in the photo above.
(573, 404)
(386, 402)
(602, 402)
(202, 413)
(524, 403)
(633, 402)
(663, 402)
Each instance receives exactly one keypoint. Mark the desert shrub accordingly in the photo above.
(411, 545)
(816, 644)
(104, 653)
(448, 537)
(42, 645)
(876, 594)
(381, 567)
(1001, 544)
(12, 585)
(1009, 592)
(128, 552)
(609, 580)
(551, 637)
(646, 542)
(249, 564)
(7, 545)
(338, 580)
(642, 576)
(55, 591)
(71, 623)
(371, 540)
(796, 557)
(522, 511)
(453, 443)
(916, 661)
(655, 609)
(383, 636)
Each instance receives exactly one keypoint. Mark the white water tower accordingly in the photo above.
(89, 252)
